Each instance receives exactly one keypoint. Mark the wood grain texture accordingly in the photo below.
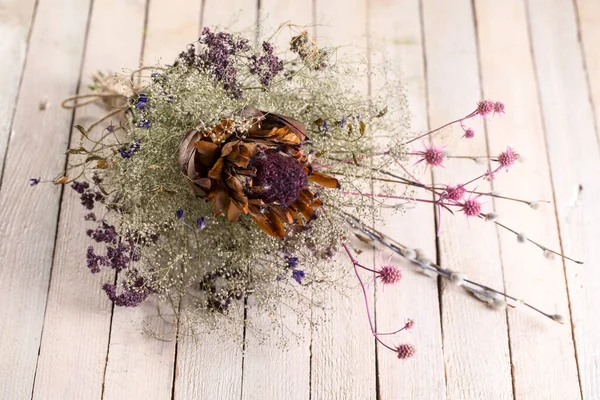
(28, 216)
(211, 365)
(278, 367)
(542, 368)
(16, 17)
(528, 54)
(397, 46)
(75, 293)
(475, 338)
(570, 133)
(588, 18)
(343, 351)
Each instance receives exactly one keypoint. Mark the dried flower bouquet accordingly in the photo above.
(235, 174)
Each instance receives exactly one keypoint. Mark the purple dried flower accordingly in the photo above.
(94, 261)
(135, 290)
(34, 181)
(144, 124)
(201, 223)
(104, 233)
(267, 66)
(90, 217)
(179, 213)
(142, 102)
(298, 275)
(282, 177)
(128, 152)
(80, 187)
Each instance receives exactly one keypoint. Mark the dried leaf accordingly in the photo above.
(61, 181)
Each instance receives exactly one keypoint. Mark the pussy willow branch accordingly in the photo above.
(482, 292)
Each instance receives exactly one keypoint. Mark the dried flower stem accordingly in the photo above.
(373, 236)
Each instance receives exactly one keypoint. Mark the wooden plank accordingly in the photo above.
(396, 39)
(211, 364)
(75, 294)
(342, 350)
(139, 365)
(575, 160)
(542, 351)
(272, 370)
(588, 13)
(28, 216)
(16, 17)
(475, 338)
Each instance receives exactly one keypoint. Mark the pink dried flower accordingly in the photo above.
(389, 274)
(498, 107)
(507, 158)
(485, 107)
(471, 207)
(454, 193)
(405, 351)
(432, 155)
(489, 176)
(469, 133)
(409, 324)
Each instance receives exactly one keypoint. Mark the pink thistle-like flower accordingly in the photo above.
(471, 207)
(409, 324)
(432, 155)
(498, 107)
(489, 176)
(405, 351)
(485, 107)
(507, 158)
(389, 274)
(454, 193)
(469, 133)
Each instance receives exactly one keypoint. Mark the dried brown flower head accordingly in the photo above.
(258, 168)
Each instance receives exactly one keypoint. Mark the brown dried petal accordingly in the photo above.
(219, 201)
(324, 180)
(207, 153)
(217, 170)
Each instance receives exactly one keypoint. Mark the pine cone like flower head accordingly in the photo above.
(259, 170)
(405, 351)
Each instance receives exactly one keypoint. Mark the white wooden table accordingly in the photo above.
(60, 338)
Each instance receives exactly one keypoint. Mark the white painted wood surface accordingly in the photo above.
(396, 39)
(78, 314)
(29, 217)
(61, 339)
(16, 17)
(543, 368)
(477, 360)
(570, 133)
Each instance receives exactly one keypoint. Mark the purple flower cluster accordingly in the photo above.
(216, 55)
(142, 102)
(267, 66)
(120, 252)
(88, 196)
(292, 263)
(128, 152)
(135, 290)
